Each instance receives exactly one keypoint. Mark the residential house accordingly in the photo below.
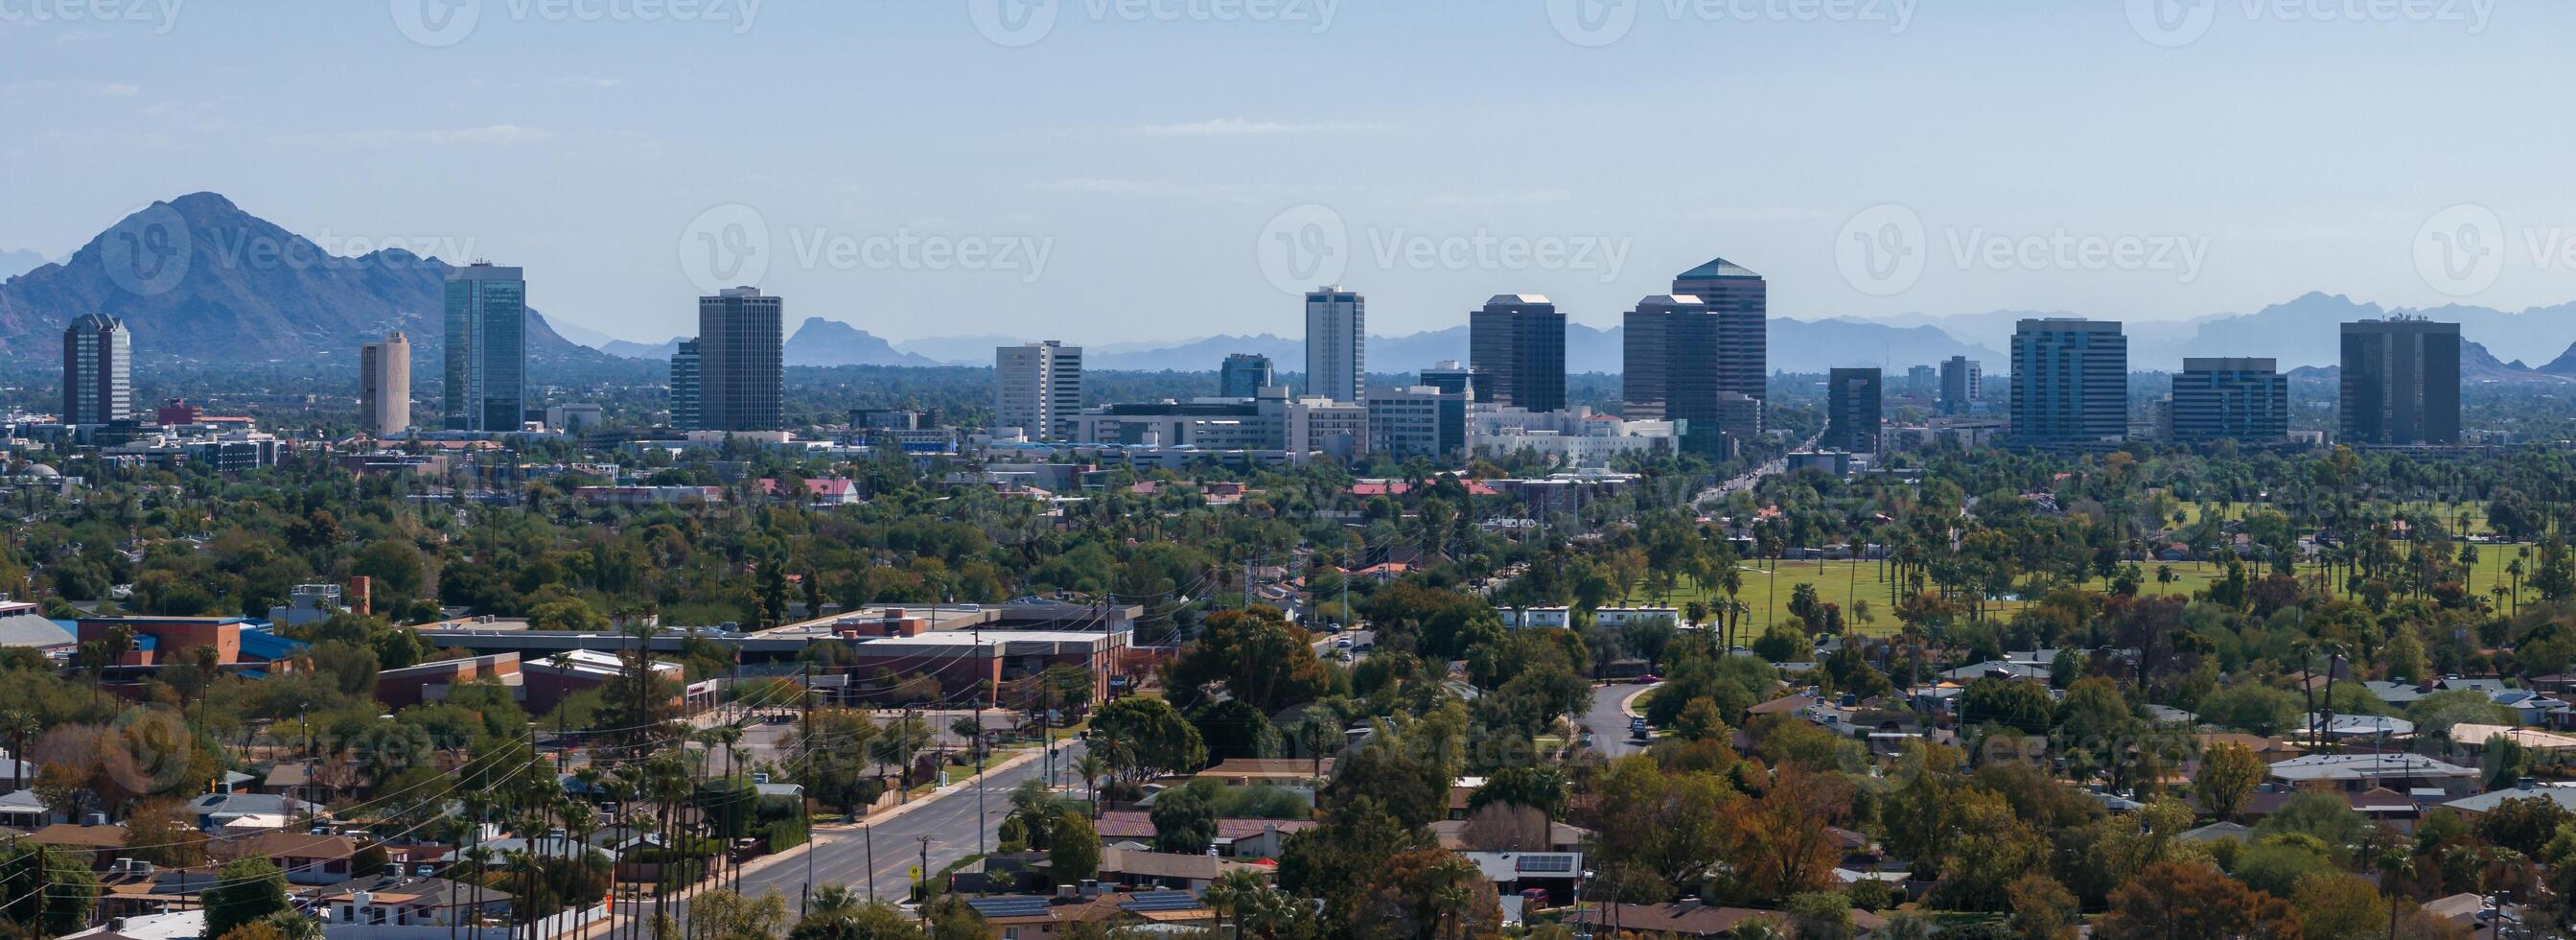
(1191, 873)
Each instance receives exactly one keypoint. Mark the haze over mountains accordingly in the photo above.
(198, 278)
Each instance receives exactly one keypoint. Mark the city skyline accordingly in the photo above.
(1196, 178)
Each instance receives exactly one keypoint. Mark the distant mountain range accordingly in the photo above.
(198, 278)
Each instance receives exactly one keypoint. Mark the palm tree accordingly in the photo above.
(833, 902)
(1092, 767)
(1235, 893)
(19, 726)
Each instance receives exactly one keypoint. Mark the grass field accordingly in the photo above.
(2449, 513)
(1843, 582)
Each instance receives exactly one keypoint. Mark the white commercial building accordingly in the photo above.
(1037, 388)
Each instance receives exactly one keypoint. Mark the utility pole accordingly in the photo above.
(805, 695)
(870, 835)
(923, 893)
(986, 673)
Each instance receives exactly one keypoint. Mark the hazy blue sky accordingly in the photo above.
(1176, 163)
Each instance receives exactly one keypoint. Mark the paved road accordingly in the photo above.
(1747, 481)
(840, 856)
(1609, 724)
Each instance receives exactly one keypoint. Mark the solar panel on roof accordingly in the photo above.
(1009, 906)
(1161, 901)
(1547, 863)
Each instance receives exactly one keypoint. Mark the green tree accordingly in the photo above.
(244, 891)
(2229, 772)
(1185, 819)
(1154, 737)
(1073, 851)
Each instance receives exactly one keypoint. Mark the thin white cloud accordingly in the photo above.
(586, 81)
(469, 136)
(1237, 127)
(120, 90)
(1497, 200)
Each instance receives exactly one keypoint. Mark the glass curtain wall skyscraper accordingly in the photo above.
(486, 379)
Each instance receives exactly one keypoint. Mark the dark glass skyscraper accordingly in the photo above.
(2231, 399)
(1960, 378)
(685, 397)
(1852, 410)
(1518, 342)
(486, 387)
(1699, 355)
(2401, 382)
(98, 370)
(1244, 375)
(2070, 381)
(1740, 350)
(740, 381)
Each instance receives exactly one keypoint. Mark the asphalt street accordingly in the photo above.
(840, 855)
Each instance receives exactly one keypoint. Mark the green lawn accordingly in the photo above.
(1843, 582)
(2448, 512)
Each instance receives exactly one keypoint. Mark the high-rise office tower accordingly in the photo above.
(1741, 302)
(1456, 379)
(486, 349)
(1244, 375)
(687, 368)
(1038, 389)
(1673, 350)
(1922, 381)
(1518, 342)
(98, 370)
(2401, 382)
(2231, 399)
(2070, 381)
(1852, 410)
(740, 378)
(384, 386)
(1960, 378)
(1337, 344)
